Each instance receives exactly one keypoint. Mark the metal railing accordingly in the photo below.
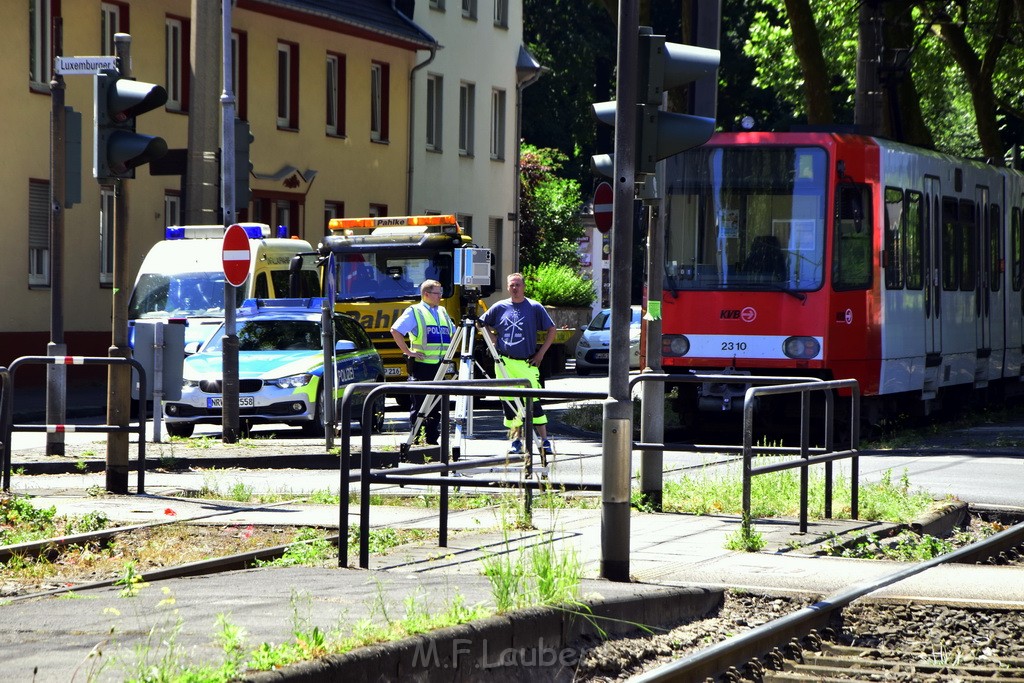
(7, 426)
(771, 385)
(419, 474)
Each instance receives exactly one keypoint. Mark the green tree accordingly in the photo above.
(580, 60)
(550, 224)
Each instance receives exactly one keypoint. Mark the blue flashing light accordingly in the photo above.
(175, 232)
(282, 231)
(253, 232)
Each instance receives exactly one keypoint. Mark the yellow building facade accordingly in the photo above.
(317, 152)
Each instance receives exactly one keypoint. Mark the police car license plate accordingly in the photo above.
(393, 372)
(243, 402)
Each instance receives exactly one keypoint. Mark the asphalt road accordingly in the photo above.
(981, 465)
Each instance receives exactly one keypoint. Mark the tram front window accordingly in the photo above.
(746, 218)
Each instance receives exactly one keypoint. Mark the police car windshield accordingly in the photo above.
(272, 335)
(158, 295)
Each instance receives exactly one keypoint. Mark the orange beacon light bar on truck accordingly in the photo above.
(447, 223)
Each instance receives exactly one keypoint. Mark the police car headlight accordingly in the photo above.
(584, 343)
(292, 381)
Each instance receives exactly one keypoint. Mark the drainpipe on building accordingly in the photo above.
(412, 107)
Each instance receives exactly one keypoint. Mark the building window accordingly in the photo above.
(379, 101)
(467, 92)
(332, 209)
(106, 236)
(497, 124)
(469, 9)
(377, 210)
(288, 86)
(177, 69)
(39, 55)
(335, 94)
(501, 13)
(172, 209)
(38, 233)
(435, 111)
(437, 4)
(466, 223)
(495, 231)
(240, 73)
(113, 19)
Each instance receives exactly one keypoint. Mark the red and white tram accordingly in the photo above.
(843, 256)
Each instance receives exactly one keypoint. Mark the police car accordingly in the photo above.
(280, 368)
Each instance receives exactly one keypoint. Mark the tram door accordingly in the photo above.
(932, 270)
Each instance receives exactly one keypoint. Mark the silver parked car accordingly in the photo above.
(592, 348)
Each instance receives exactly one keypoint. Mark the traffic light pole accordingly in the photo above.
(618, 409)
(56, 373)
(229, 354)
(119, 376)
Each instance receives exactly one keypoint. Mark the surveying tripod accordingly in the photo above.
(461, 349)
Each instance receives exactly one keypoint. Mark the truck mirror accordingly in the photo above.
(295, 277)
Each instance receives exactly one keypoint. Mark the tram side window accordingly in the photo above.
(914, 242)
(950, 245)
(895, 248)
(851, 263)
(968, 249)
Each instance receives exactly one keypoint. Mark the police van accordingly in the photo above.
(182, 276)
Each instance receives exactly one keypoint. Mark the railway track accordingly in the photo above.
(851, 636)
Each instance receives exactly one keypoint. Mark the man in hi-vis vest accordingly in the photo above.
(430, 331)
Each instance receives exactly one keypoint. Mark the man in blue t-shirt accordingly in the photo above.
(513, 325)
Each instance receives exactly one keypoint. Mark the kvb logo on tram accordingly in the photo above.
(747, 315)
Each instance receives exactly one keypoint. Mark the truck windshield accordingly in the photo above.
(193, 295)
(389, 276)
(746, 218)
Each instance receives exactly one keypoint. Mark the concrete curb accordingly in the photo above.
(537, 642)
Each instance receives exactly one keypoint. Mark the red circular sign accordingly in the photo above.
(603, 207)
(235, 255)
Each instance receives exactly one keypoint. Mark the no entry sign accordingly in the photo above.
(236, 255)
(603, 207)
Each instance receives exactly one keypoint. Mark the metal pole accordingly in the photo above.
(119, 375)
(56, 373)
(618, 409)
(158, 380)
(652, 420)
(229, 387)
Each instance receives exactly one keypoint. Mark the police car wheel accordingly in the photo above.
(315, 428)
(180, 429)
(378, 415)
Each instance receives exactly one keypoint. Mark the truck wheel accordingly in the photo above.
(182, 430)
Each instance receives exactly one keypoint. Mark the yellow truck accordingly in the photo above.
(374, 266)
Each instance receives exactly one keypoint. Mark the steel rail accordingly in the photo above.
(714, 661)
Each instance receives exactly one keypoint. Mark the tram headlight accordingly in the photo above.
(674, 345)
(801, 348)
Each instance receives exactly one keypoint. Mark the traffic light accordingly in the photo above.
(659, 134)
(117, 148)
(243, 165)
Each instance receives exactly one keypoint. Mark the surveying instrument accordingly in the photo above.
(472, 270)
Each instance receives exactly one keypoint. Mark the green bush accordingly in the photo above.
(555, 285)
